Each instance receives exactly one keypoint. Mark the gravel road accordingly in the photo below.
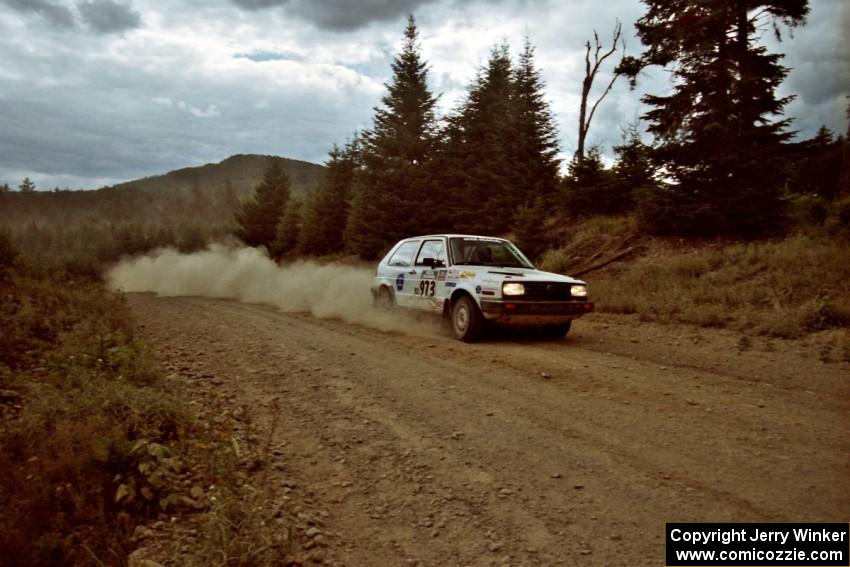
(421, 450)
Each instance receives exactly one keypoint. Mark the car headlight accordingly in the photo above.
(513, 288)
(578, 291)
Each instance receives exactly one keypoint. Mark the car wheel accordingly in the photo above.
(557, 331)
(383, 299)
(467, 321)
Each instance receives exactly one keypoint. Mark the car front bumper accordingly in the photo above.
(534, 312)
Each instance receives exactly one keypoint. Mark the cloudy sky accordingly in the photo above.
(93, 92)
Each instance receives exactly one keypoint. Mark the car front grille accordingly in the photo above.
(547, 291)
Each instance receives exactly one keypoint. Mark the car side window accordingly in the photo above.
(432, 249)
(403, 257)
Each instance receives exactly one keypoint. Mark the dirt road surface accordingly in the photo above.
(421, 450)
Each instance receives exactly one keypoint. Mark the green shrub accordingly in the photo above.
(93, 406)
(808, 210)
(838, 223)
(665, 209)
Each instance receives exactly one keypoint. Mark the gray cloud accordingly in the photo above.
(55, 14)
(258, 4)
(106, 16)
(261, 56)
(211, 78)
(818, 56)
(340, 15)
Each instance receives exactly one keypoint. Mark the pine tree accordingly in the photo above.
(527, 227)
(325, 211)
(633, 170)
(481, 155)
(816, 165)
(393, 193)
(536, 135)
(258, 217)
(288, 229)
(26, 186)
(588, 186)
(502, 144)
(718, 134)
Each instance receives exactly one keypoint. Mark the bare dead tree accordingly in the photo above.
(590, 71)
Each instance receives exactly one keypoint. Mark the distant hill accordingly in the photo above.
(242, 172)
(203, 196)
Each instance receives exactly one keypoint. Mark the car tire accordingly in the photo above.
(383, 299)
(557, 331)
(467, 321)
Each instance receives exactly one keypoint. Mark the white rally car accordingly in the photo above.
(472, 280)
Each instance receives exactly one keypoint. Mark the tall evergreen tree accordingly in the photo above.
(502, 144)
(816, 165)
(536, 135)
(258, 217)
(481, 154)
(325, 210)
(288, 229)
(26, 186)
(527, 223)
(589, 186)
(633, 170)
(393, 193)
(718, 135)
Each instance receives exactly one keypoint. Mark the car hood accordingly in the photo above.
(521, 274)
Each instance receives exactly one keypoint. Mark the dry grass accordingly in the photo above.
(88, 391)
(585, 240)
(784, 288)
(246, 525)
(95, 441)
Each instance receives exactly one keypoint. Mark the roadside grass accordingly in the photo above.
(85, 394)
(95, 441)
(245, 525)
(584, 241)
(784, 287)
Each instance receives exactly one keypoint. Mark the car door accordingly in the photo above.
(427, 285)
(401, 270)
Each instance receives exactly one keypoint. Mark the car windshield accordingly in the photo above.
(486, 252)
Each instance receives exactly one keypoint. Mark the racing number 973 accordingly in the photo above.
(427, 288)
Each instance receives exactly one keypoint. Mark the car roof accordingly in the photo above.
(449, 235)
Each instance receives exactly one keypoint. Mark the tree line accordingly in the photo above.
(720, 160)
(413, 172)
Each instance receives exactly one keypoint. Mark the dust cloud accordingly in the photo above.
(248, 275)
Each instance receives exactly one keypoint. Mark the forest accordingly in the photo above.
(711, 214)
(719, 161)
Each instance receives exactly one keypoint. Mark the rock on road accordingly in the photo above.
(421, 450)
